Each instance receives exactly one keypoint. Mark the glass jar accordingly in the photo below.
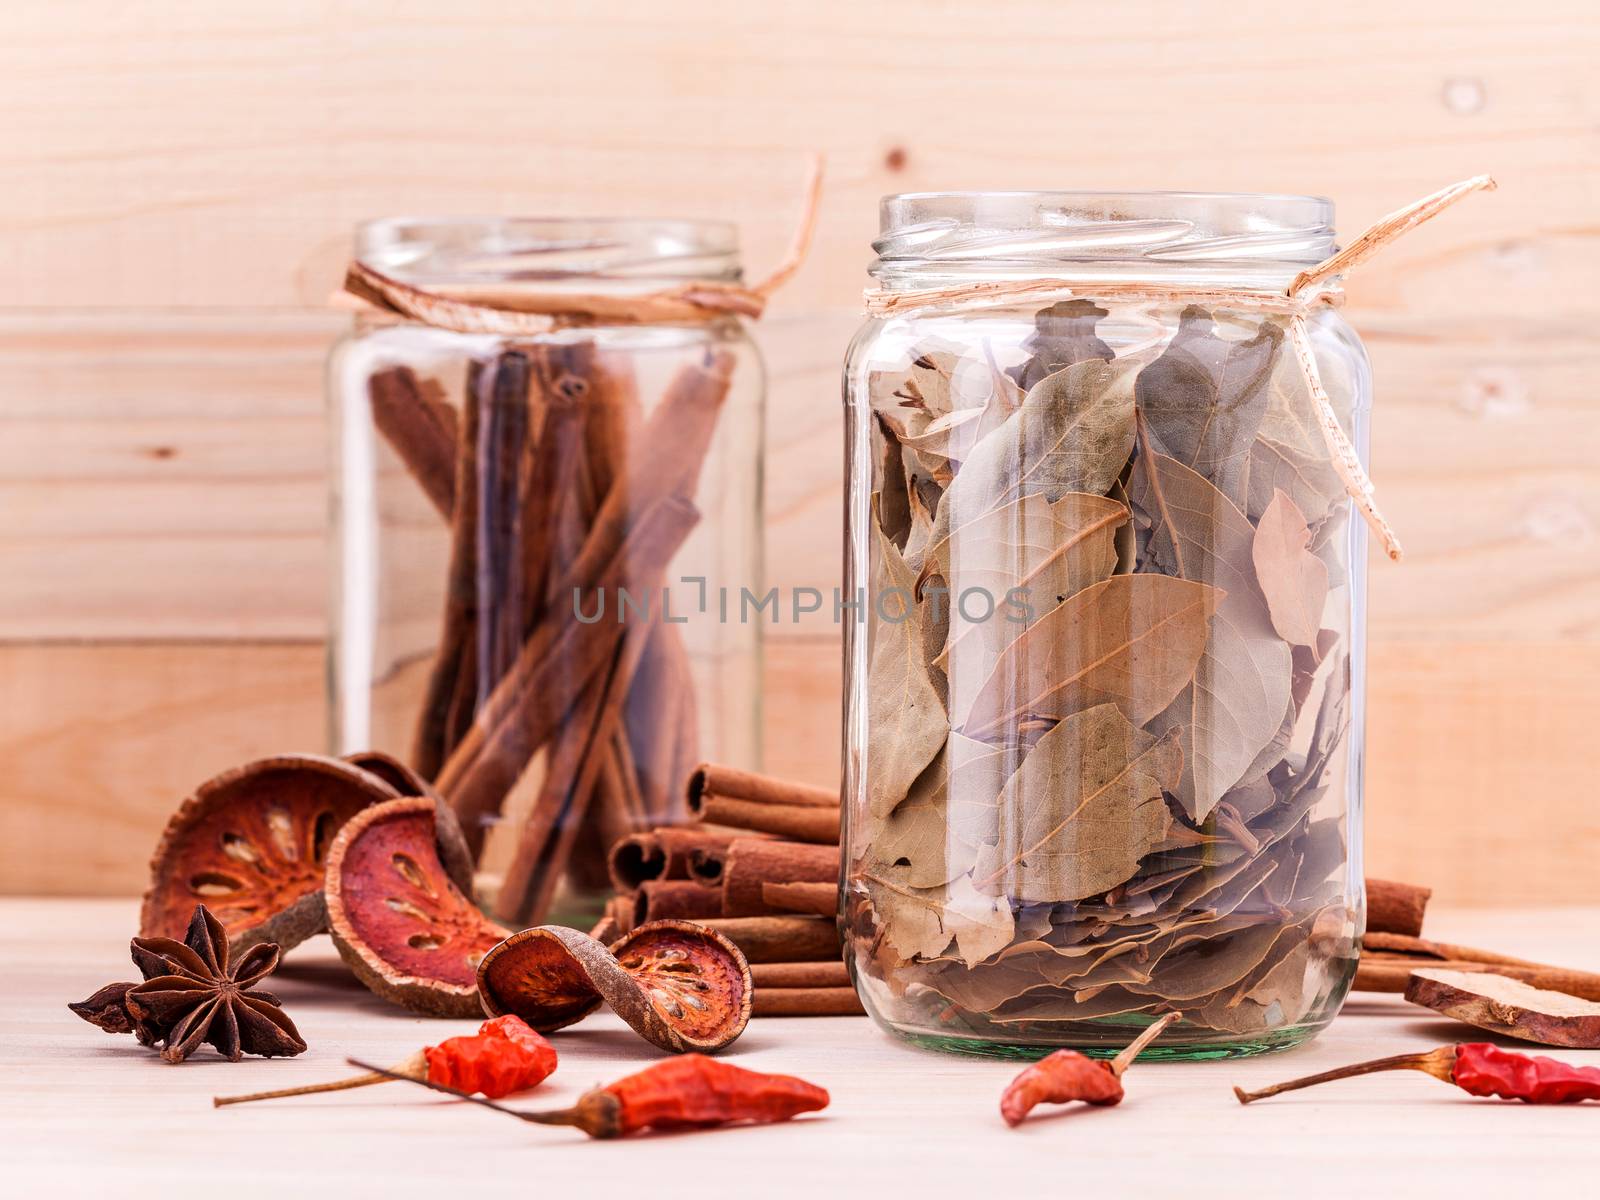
(1104, 711)
(527, 528)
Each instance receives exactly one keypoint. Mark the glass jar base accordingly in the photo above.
(1187, 1044)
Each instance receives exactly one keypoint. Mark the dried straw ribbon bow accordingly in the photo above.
(1315, 286)
(518, 312)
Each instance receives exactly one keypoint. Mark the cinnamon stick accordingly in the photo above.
(831, 973)
(502, 431)
(1385, 945)
(675, 899)
(421, 428)
(753, 863)
(523, 710)
(806, 1002)
(796, 822)
(713, 781)
(1396, 907)
(820, 899)
(440, 706)
(553, 669)
(661, 853)
(780, 939)
(1379, 976)
(557, 819)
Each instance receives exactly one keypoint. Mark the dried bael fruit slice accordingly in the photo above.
(406, 930)
(250, 845)
(679, 985)
(392, 771)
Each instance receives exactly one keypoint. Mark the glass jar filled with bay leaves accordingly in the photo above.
(1104, 703)
(544, 465)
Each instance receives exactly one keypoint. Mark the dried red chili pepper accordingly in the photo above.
(1067, 1075)
(1476, 1068)
(688, 1092)
(504, 1056)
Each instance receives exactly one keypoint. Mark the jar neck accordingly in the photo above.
(549, 253)
(1211, 239)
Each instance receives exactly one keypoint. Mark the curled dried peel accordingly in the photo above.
(251, 844)
(396, 915)
(679, 985)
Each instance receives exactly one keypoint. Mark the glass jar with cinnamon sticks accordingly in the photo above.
(544, 473)
(1104, 704)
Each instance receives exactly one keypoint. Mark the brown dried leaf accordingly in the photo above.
(1063, 334)
(934, 834)
(922, 922)
(1072, 433)
(1293, 580)
(1238, 703)
(1205, 396)
(1132, 640)
(904, 709)
(1013, 564)
(1085, 806)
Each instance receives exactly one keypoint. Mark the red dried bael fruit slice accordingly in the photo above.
(405, 929)
(679, 985)
(399, 776)
(251, 845)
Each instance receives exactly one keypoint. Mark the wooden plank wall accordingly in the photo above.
(177, 184)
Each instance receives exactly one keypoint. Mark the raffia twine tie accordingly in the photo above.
(1310, 290)
(529, 313)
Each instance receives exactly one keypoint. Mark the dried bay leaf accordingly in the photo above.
(1072, 433)
(1241, 691)
(1293, 580)
(922, 922)
(934, 834)
(1307, 477)
(1131, 640)
(1205, 396)
(904, 710)
(1009, 566)
(1063, 334)
(1081, 811)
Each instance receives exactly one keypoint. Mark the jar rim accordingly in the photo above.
(554, 250)
(1022, 231)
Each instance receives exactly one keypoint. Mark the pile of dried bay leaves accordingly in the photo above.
(1108, 682)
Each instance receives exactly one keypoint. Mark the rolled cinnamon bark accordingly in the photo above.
(561, 654)
(806, 1002)
(751, 863)
(447, 691)
(831, 973)
(712, 781)
(796, 822)
(1380, 976)
(675, 900)
(819, 899)
(780, 939)
(421, 429)
(1398, 945)
(554, 668)
(662, 853)
(1396, 907)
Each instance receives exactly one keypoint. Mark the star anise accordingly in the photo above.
(191, 994)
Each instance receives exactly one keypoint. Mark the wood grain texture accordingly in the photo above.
(178, 183)
(902, 1121)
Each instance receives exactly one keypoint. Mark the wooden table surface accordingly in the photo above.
(83, 1113)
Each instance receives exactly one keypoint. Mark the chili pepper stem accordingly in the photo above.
(1438, 1063)
(414, 1067)
(594, 1113)
(1132, 1050)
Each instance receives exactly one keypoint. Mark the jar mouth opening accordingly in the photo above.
(552, 251)
(1015, 231)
